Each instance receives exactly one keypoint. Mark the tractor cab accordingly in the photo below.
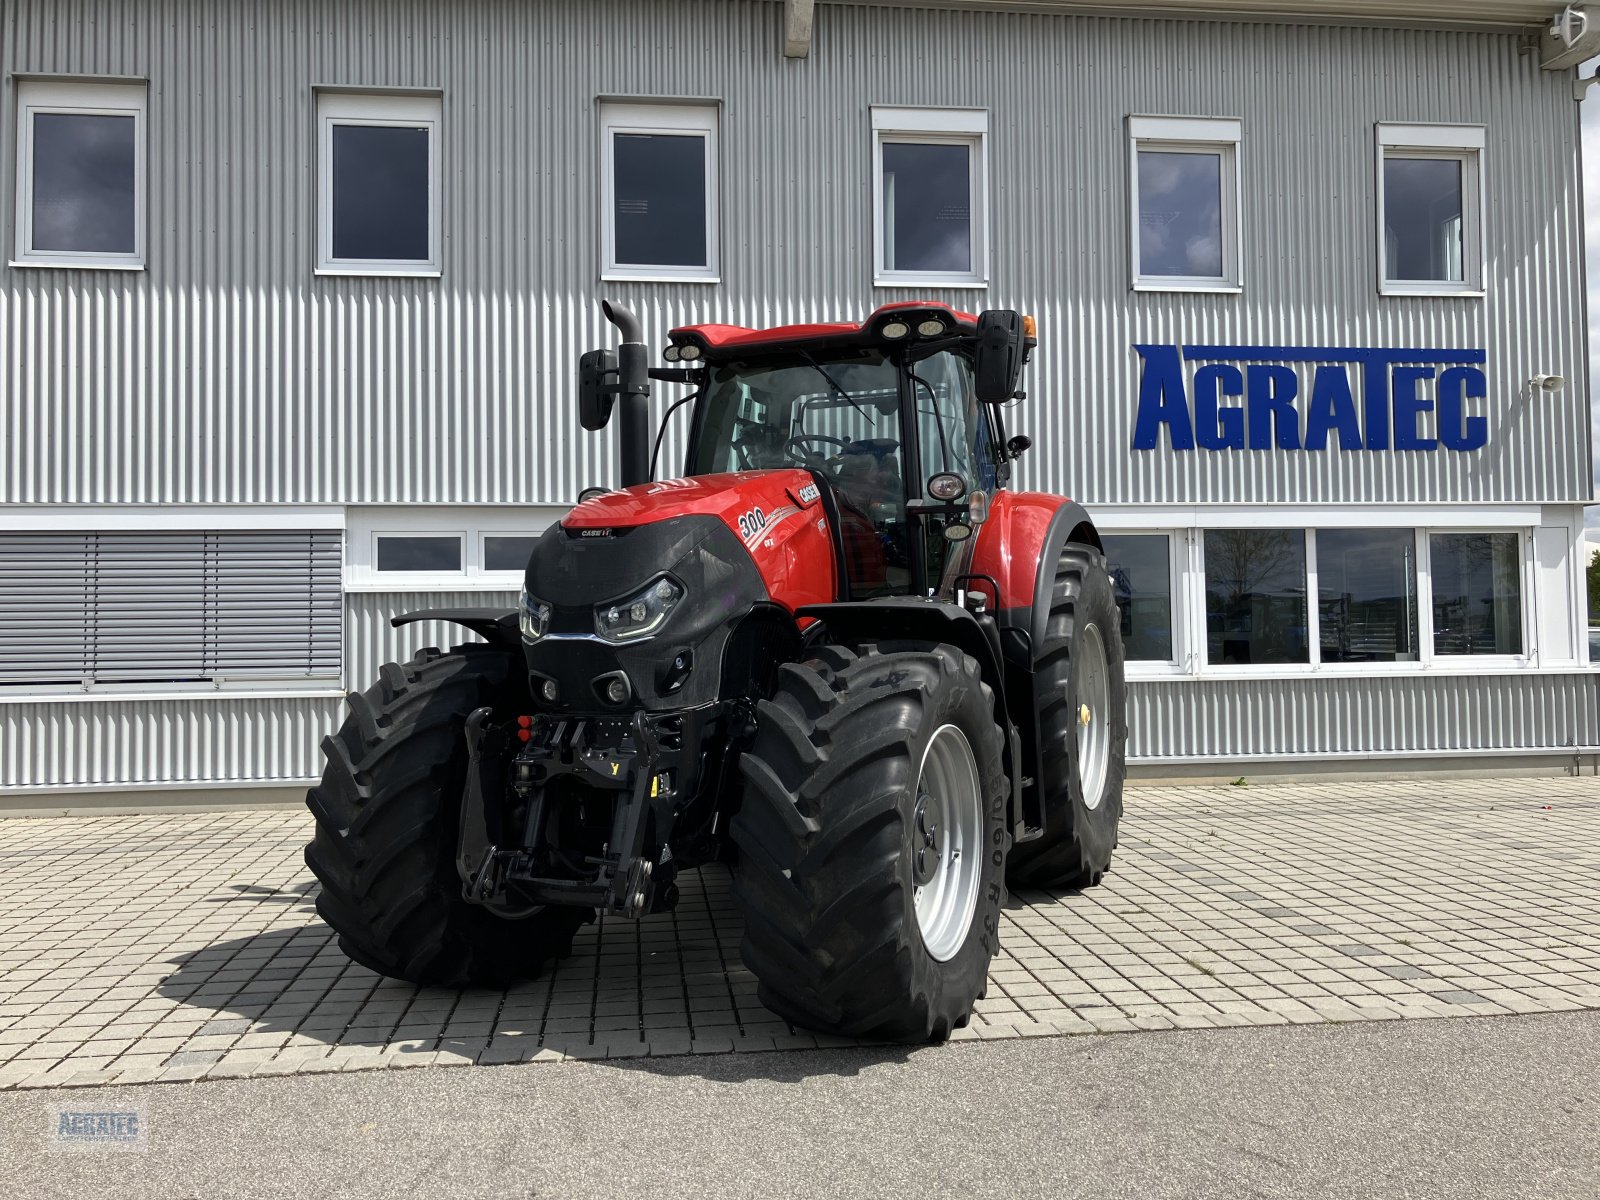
(886, 416)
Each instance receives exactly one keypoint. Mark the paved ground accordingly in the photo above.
(1500, 1107)
(135, 949)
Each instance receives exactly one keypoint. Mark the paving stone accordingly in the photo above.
(1225, 908)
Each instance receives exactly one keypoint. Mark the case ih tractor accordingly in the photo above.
(838, 653)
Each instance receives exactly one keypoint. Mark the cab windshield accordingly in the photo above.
(839, 414)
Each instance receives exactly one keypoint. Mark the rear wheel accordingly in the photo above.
(872, 839)
(388, 815)
(1082, 729)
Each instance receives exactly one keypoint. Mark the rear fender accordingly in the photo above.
(491, 624)
(892, 618)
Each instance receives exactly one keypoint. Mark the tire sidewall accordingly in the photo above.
(1096, 828)
(964, 705)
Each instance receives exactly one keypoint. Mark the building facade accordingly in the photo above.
(295, 295)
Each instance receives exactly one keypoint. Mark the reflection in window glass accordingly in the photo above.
(1141, 579)
(1367, 595)
(1180, 213)
(659, 183)
(927, 207)
(507, 552)
(1422, 204)
(1477, 593)
(83, 183)
(1256, 596)
(419, 552)
(380, 193)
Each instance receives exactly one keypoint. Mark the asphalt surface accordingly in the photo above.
(1473, 1107)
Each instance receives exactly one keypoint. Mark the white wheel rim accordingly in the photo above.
(946, 842)
(1093, 693)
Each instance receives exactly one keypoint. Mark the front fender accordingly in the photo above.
(491, 624)
(1019, 547)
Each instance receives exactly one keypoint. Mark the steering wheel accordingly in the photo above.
(796, 449)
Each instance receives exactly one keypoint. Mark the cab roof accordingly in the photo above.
(722, 341)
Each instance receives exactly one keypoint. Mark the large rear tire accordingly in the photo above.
(872, 839)
(1082, 727)
(388, 813)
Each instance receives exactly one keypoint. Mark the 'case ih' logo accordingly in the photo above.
(595, 532)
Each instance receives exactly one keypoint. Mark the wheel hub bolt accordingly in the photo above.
(1085, 714)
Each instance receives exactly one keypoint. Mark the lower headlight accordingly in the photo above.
(534, 617)
(639, 615)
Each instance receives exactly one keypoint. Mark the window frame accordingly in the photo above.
(673, 118)
(86, 97)
(934, 127)
(1191, 135)
(1527, 579)
(384, 109)
(199, 518)
(1179, 541)
(1465, 144)
(469, 523)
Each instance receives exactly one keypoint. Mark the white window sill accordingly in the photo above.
(1219, 286)
(75, 264)
(330, 690)
(964, 282)
(372, 272)
(400, 581)
(1438, 292)
(661, 277)
(1440, 668)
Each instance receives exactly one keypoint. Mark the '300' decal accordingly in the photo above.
(752, 523)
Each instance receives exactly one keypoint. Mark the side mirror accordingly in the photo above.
(998, 360)
(597, 388)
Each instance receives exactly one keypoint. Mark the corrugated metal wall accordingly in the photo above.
(185, 740)
(370, 641)
(1234, 719)
(228, 372)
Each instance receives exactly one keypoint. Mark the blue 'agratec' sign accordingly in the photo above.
(1296, 407)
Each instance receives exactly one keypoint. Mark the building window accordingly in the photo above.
(930, 197)
(1141, 579)
(660, 190)
(1477, 593)
(1367, 595)
(1256, 597)
(133, 610)
(378, 184)
(1185, 192)
(419, 552)
(507, 552)
(80, 174)
(1430, 205)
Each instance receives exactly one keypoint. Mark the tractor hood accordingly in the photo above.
(728, 496)
(731, 542)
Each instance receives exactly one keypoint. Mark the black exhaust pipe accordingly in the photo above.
(633, 393)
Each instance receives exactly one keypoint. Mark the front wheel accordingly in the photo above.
(1082, 726)
(388, 814)
(872, 840)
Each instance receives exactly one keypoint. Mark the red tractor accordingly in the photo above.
(837, 653)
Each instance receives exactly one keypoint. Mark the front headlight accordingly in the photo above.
(534, 617)
(638, 616)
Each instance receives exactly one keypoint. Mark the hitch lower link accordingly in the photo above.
(491, 857)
